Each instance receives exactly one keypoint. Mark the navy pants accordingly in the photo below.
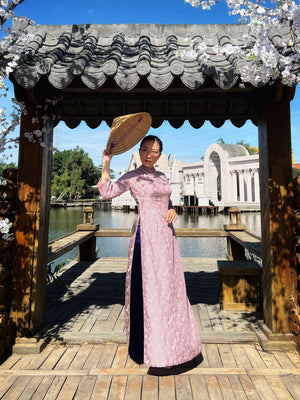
(136, 339)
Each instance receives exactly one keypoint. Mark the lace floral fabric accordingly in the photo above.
(171, 335)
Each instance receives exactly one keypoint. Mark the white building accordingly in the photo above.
(228, 176)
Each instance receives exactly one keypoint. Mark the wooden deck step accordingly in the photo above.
(119, 337)
(233, 371)
(145, 371)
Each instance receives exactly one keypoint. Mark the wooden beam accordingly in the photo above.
(180, 232)
(31, 227)
(278, 227)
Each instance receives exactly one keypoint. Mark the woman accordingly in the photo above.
(160, 325)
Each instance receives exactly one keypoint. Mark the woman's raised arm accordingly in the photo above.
(106, 159)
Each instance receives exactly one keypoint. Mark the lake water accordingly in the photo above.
(64, 221)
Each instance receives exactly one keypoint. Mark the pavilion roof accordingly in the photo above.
(82, 61)
(129, 52)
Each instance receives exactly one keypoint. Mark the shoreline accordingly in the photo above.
(79, 203)
(180, 209)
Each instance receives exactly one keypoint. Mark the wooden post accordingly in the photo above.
(31, 227)
(87, 249)
(235, 251)
(278, 227)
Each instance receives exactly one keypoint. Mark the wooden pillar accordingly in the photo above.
(276, 192)
(29, 268)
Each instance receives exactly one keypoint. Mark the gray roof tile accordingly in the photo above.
(97, 72)
(128, 53)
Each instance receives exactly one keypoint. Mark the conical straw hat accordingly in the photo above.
(126, 131)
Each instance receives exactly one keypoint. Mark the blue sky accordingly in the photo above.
(186, 143)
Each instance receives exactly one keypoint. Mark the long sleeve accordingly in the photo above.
(109, 190)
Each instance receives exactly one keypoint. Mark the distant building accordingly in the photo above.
(228, 176)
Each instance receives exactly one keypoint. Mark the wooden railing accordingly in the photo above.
(245, 241)
(238, 239)
(63, 245)
(180, 232)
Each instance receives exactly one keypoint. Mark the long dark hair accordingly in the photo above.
(155, 138)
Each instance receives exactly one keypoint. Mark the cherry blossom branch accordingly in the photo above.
(7, 9)
(266, 61)
(10, 35)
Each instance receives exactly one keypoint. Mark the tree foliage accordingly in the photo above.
(73, 174)
(5, 165)
(295, 172)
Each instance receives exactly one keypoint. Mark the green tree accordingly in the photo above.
(4, 166)
(221, 141)
(73, 174)
(295, 172)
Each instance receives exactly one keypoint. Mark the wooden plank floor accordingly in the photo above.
(105, 372)
(87, 358)
(92, 307)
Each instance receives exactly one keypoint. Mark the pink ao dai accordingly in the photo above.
(171, 336)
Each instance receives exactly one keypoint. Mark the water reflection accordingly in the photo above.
(64, 220)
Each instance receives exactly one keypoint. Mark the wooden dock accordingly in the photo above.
(87, 357)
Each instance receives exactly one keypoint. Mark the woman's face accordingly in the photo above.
(149, 153)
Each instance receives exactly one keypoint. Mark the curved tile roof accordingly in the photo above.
(97, 72)
(128, 53)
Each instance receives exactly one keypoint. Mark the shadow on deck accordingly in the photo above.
(91, 307)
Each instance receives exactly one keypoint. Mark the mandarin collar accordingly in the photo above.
(147, 170)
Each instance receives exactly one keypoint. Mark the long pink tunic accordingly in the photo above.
(171, 336)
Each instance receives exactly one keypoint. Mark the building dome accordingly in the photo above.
(234, 150)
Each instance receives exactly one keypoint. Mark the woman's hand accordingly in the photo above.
(106, 157)
(171, 215)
